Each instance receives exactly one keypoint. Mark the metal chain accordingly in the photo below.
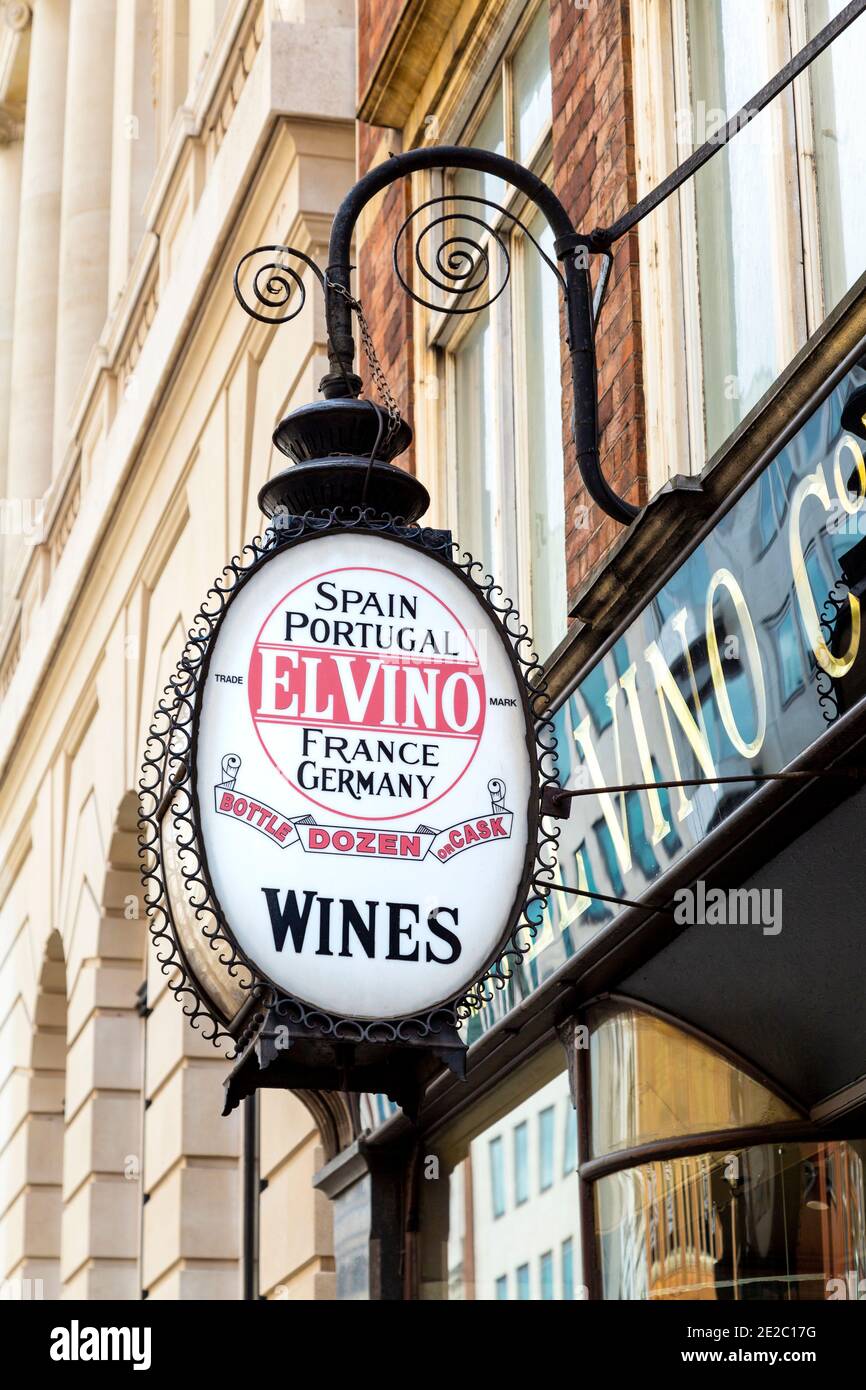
(376, 370)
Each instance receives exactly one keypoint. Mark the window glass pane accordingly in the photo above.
(790, 657)
(837, 80)
(497, 1177)
(477, 445)
(467, 1251)
(742, 250)
(532, 86)
(568, 1269)
(521, 1164)
(545, 1148)
(546, 1275)
(488, 135)
(540, 383)
(782, 1222)
(570, 1160)
(661, 1082)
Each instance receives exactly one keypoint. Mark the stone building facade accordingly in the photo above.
(144, 146)
(136, 410)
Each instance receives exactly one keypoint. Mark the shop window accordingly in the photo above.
(468, 1252)
(749, 256)
(661, 1083)
(498, 481)
(545, 1148)
(755, 1211)
(521, 1164)
(545, 1275)
(774, 1222)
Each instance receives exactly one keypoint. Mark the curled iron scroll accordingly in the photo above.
(460, 263)
(275, 284)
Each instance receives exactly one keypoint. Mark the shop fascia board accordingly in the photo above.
(214, 225)
(775, 814)
(686, 509)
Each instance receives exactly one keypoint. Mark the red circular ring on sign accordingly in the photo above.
(323, 805)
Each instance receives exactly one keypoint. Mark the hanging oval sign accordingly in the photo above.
(365, 773)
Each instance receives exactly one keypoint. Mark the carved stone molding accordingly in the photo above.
(11, 125)
(18, 15)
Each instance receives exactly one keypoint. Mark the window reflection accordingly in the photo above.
(532, 87)
(777, 1222)
(476, 439)
(742, 297)
(651, 1081)
(836, 78)
(502, 1220)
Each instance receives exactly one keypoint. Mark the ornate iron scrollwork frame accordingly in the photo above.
(167, 788)
(457, 261)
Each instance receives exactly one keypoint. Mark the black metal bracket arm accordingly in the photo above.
(556, 801)
(460, 269)
(458, 263)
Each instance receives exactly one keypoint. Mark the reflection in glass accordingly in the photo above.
(837, 79)
(490, 1229)
(488, 135)
(778, 1222)
(568, 1269)
(738, 241)
(546, 559)
(545, 1148)
(476, 440)
(545, 1271)
(533, 109)
(497, 1176)
(651, 1081)
(521, 1164)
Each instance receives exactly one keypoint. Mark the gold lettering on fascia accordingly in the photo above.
(815, 485)
(673, 702)
(748, 749)
(670, 697)
(577, 906)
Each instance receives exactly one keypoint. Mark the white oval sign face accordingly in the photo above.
(363, 776)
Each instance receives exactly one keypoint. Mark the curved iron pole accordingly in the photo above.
(580, 329)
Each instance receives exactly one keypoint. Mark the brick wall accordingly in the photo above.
(388, 309)
(594, 175)
(376, 21)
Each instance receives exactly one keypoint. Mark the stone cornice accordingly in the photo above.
(15, 18)
(404, 65)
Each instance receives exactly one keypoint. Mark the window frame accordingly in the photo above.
(440, 335)
(668, 240)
